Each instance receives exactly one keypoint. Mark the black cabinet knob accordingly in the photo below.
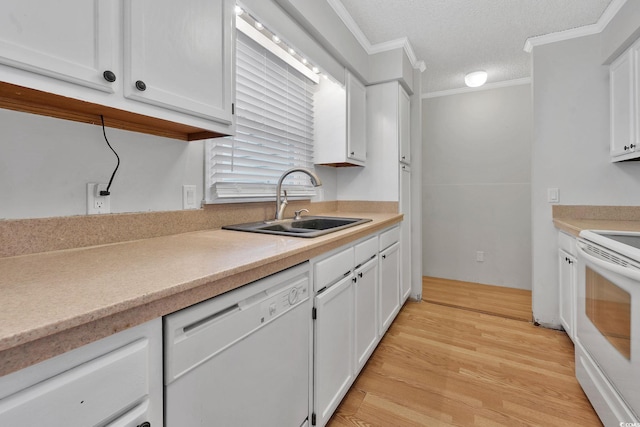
(384, 257)
(354, 280)
(352, 153)
(632, 146)
(625, 148)
(360, 275)
(109, 76)
(141, 86)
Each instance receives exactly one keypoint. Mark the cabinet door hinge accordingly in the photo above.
(313, 419)
(314, 313)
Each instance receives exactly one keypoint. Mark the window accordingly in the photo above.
(274, 129)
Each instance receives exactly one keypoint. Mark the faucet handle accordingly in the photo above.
(297, 213)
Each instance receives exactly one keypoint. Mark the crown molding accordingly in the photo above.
(371, 49)
(488, 86)
(587, 30)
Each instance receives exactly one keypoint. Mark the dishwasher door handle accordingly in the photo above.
(212, 318)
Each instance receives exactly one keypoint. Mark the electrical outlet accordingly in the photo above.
(97, 204)
(480, 256)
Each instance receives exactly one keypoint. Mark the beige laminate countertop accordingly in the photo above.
(575, 226)
(575, 218)
(53, 302)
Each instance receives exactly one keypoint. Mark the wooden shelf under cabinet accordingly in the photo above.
(18, 98)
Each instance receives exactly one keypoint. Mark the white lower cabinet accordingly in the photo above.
(405, 208)
(333, 343)
(350, 297)
(568, 282)
(389, 284)
(366, 299)
(116, 381)
(365, 284)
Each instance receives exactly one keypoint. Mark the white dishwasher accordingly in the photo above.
(242, 358)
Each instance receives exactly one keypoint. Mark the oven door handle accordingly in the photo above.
(609, 266)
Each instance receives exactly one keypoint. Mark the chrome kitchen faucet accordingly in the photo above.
(281, 204)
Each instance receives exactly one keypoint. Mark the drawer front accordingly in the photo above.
(389, 237)
(333, 268)
(365, 251)
(567, 242)
(89, 394)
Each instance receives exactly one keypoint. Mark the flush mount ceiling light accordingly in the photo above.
(475, 79)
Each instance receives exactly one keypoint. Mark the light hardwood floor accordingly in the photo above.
(470, 357)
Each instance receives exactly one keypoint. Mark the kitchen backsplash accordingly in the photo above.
(28, 236)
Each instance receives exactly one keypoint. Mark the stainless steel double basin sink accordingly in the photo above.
(308, 226)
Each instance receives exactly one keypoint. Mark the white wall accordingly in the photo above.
(476, 186)
(45, 164)
(570, 152)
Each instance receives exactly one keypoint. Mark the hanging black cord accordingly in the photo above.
(104, 132)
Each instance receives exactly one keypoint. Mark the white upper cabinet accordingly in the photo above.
(177, 56)
(388, 125)
(404, 126)
(159, 67)
(70, 40)
(624, 80)
(356, 120)
(340, 123)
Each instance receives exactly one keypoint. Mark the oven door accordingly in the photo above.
(608, 326)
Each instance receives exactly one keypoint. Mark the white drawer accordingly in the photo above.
(389, 237)
(567, 243)
(329, 270)
(366, 250)
(89, 394)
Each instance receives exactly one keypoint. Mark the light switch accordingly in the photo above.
(553, 195)
(189, 197)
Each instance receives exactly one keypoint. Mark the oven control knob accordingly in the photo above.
(293, 296)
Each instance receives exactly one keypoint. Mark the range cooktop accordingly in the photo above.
(625, 243)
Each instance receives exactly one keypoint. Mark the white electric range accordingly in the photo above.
(608, 324)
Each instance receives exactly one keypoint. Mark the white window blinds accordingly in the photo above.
(274, 130)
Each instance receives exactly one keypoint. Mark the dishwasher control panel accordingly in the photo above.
(285, 299)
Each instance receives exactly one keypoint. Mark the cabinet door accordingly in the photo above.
(389, 286)
(366, 292)
(71, 40)
(568, 296)
(333, 348)
(178, 55)
(405, 209)
(404, 125)
(635, 49)
(622, 105)
(356, 119)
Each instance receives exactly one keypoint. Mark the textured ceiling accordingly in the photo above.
(454, 37)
